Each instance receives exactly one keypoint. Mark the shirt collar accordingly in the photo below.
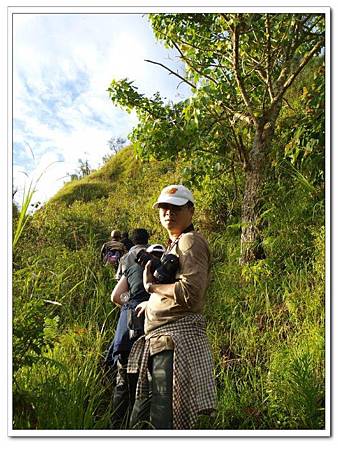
(187, 230)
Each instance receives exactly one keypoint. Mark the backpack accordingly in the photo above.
(111, 255)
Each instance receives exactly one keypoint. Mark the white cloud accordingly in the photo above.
(63, 65)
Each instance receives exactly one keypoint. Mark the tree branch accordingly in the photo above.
(302, 64)
(172, 72)
(292, 31)
(233, 172)
(235, 43)
(269, 65)
(188, 61)
(293, 109)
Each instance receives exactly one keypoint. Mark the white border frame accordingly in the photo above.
(133, 9)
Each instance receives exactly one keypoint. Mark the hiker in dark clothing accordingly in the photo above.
(129, 328)
(126, 241)
(139, 237)
(112, 251)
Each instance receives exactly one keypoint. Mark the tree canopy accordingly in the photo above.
(240, 68)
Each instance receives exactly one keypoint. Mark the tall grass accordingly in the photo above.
(23, 215)
(63, 321)
(60, 384)
(64, 385)
(265, 321)
(267, 331)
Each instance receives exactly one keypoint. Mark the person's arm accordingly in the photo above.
(120, 288)
(194, 271)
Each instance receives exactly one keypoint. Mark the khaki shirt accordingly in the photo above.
(192, 281)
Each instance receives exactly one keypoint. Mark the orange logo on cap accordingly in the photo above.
(170, 191)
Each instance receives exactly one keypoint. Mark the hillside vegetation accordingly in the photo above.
(265, 307)
(265, 320)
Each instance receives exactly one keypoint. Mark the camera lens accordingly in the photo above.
(142, 258)
(166, 272)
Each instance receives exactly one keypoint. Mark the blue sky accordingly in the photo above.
(62, 67)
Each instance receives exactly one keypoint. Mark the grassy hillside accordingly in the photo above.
(265, 320)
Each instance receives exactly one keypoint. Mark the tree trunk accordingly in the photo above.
(251, 241)
(256, 174)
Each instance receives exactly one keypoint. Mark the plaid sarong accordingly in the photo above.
(194, 390)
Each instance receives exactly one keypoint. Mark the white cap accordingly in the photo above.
(155, 248)
(175, 194)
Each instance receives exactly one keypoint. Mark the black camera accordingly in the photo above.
(164, 269)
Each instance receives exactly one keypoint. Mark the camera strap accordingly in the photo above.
(171, 244)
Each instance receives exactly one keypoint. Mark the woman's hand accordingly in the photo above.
(141, 308)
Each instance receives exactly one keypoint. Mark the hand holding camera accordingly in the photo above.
(162, 270)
